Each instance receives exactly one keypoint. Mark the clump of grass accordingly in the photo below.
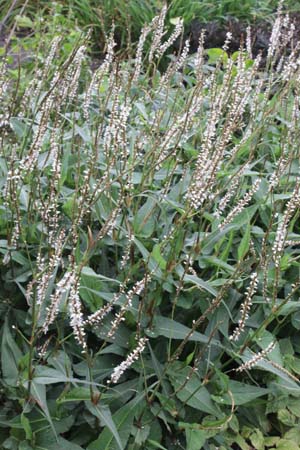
(142, 214)
(32, 18)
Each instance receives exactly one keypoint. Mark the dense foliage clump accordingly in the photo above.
(149, 237)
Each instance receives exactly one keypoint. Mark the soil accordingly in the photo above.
(215, 34)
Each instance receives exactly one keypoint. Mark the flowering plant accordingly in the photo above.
(149, 237)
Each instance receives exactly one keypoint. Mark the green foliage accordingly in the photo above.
(45, 19)
(149, 241)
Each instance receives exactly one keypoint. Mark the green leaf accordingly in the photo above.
(18, 126)
(195, 439)
(10, 356)
(38, 392)
(158, 370)
(245, 216)
(84, 133)
(13, 423)
(270, 441)
(158, 257)
(216, 54)
(144, 220)
(193, 393)
(88, 272)
(167, 402)
(243, 248)
(46, 375)
(26, 426)
(264, 339)
(121, 336)
(140, 434)
(175, 20)
(123, 420)
(45, 441)
(11, 443)
(242, 443)
(24, 22)
(193, 279)
(257, 440)
(294, 364)
(200, 283)
(214, 237)
(294, 406)
(69, 206)
(296, 320)
(163, 326)
(153, 265)
(286, 382)
(25, 446)
(155, 444)
(76, 395)
(89, 292)
(104, 414)
(242, 393)
(234, 424)
(286, 417)
(212, 261)
(293, 435)
(285, 444)
(142, 109)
